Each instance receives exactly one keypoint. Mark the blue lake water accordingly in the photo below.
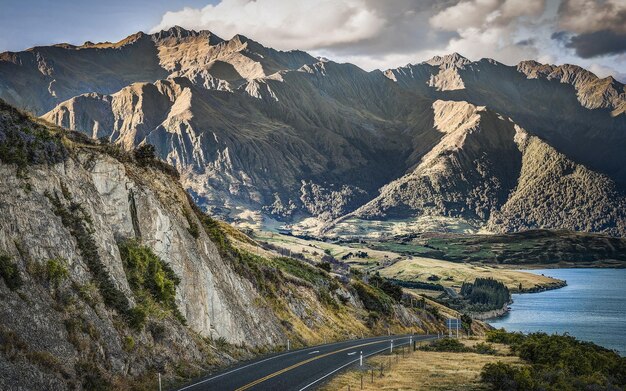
(591, 307)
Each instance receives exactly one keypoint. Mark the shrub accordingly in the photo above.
(136, 317)
(193, 227)
(446, 345)
(505, 377)
(559, 362)
(10, 273)
(23, 142)
(93, 379)
(373, 299)
(150, 278)
(390, 288)
(485, 348)
(372, 318)
(325, 266)
(502, 336)
(145, 270)
(128, 343)
(145, 153)
(327, 299)
(56, 271)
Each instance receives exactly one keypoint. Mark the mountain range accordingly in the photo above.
(267, 137)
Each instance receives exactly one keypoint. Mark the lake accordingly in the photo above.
(591, 307)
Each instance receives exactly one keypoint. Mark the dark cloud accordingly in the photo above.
(560, 36)
(598, 43)
(526, 42)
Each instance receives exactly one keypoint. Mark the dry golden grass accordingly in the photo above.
(427, 371)
(419, 269)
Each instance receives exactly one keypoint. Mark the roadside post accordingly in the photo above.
(361, 359)
(288, 343)
(391, 347)
(159, 381)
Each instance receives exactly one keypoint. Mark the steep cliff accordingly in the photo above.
(109, 274)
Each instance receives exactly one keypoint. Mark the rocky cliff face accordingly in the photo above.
(108, 273)
(260, 134)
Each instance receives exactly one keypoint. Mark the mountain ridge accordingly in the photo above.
(285, 136)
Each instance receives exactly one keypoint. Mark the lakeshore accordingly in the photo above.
(590, 307)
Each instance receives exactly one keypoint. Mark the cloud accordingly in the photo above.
(604, 71)
(587, 16)
(290, 24)
(592, 28)
(387, 34)
(598, 43)
(487, 26)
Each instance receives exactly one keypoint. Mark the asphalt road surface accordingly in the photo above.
(298, 370)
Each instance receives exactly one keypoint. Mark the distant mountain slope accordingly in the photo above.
(263, 135)
(468, 174)
(568, 106)
(487, 168)
(554, 192)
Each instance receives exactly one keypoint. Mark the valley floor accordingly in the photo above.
(401, 266)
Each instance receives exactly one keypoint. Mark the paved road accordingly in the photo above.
(298, 370)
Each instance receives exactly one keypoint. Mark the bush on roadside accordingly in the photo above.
(505, 377)
(556, 362)
(446, 345)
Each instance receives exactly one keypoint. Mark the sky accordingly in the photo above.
(369, 33)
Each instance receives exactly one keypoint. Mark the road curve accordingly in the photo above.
(298, 370)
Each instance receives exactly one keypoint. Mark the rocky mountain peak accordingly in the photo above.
(178, 34)
(454, 60)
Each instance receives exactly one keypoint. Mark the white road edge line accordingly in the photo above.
(351, 353)
(352, 362)
(255, 363)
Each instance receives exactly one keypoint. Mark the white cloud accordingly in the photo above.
(604, 71)
(301, 24)
(487, 27)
